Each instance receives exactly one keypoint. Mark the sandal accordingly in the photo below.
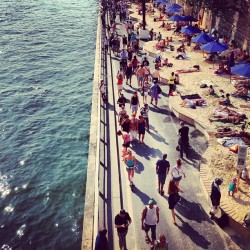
(147, 239)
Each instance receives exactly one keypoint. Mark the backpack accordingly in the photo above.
(159, 91)
(223, 221)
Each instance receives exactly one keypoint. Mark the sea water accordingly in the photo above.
(47, 50)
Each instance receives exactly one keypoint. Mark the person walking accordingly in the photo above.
(144, 113)
(174, 197)
(130, 162)
(129, 73)
(134, 103)
(119, 83)
(150, 217)
(177, 172)
(122, 222)
(162, 170)
(171, 83)
(141, 128)
(125, 124)
(162, 243)
(140, 76)
(154, 93)
(133, 128)
(101, 242)
(215, 196)
(183, 139)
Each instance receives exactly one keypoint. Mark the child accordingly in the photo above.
(232, 186)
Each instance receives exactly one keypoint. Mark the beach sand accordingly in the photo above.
(221, 163)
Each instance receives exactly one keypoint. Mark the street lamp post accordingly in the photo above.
(144, 14)
(143, 33)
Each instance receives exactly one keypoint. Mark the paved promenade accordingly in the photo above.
(194, 229)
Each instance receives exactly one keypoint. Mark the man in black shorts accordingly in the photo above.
(121, 101)
(122, 221)
(162, 169)
(183, 139)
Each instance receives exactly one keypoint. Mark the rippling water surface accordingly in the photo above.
(46, 65)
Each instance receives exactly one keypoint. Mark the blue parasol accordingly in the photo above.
(241, 69)
(190, 30)
(164, 3)
(214, 47)
(189, 19)
(203, 38)
(174, 8)
(176, 18)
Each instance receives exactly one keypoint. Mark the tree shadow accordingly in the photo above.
(192, 211)
(145, 151)
(140, 167)
(197, 238)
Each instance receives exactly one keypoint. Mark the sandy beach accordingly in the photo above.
(221, 162)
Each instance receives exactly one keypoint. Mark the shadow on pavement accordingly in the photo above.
(145, 151)
(156, 136)
(192, 211)
(139, 168)
(197, 238)
(143, 196)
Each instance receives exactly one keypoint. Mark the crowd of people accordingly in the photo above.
(133, 127)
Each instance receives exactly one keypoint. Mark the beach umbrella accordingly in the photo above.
(164, 3)
(176, 18)
(214, 47)
(174, 8)
(189, 19)
(241, 69)
(203, 38)
(190, 30)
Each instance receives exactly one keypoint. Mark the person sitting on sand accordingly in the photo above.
(245, 175)
(162, 25)
(177, 29)
(182, 55)
(241, 90)
(189, 70)
(211, 90)
(168, 26)
(197, 46)
(221, 69)
(227, 101)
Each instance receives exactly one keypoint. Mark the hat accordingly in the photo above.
(234, 179)
(150, 202)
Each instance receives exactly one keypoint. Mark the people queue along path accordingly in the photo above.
(133, 127)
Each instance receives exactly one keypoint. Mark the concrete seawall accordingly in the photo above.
(90, 220)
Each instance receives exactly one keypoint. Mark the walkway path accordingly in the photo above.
(194, 228)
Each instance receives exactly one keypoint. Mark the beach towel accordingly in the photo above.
(190, 97)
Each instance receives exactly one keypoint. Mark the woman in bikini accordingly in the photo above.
(130, 162)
